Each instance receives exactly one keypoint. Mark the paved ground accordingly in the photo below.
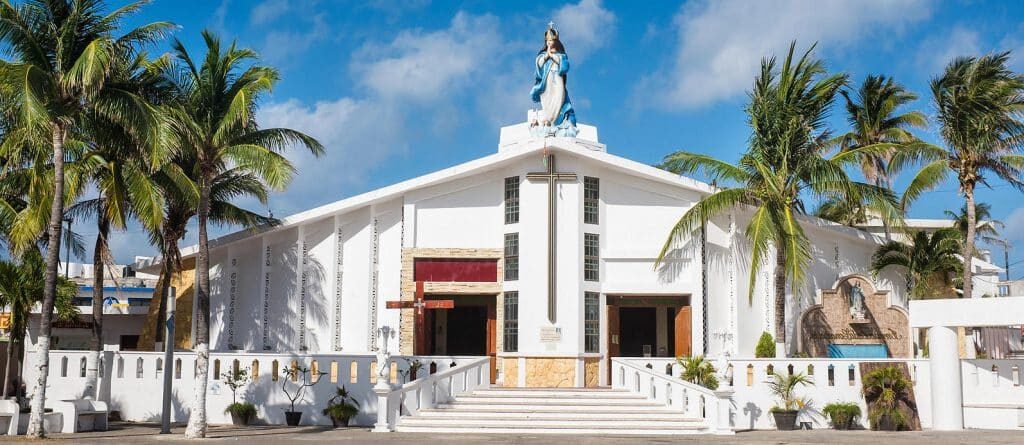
(124, 434)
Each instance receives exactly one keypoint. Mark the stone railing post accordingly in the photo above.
(382, 425)
(720, 422)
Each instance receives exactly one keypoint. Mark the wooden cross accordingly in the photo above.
(419, 322)
(552, 177)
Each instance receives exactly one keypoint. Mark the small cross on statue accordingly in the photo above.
(419, 322)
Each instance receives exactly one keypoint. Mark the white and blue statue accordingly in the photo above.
(556, 116)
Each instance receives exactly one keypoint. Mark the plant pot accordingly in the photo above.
(292, 418)
(785, 420)
(240, 420)
(340, 421)
(842, 423)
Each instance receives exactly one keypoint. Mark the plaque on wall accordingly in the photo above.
(550, 334)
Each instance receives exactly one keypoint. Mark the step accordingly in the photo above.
(566, 393)
(550, 423)
(554, 415)
(546, 401)
(568, 429)
(492, 408)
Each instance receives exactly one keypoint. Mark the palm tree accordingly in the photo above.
(841, 211)
(63, 50)
(873, 114)
(785, 162)
(119, 167)
(986, 229)
(21, 288)
(180, 208)
(216, 125)
(929, 261)
(979, 102)
(699, 371)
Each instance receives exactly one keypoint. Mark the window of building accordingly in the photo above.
(1004, 290)
(512, 200)
(592, 322)
(511, 321)
(511, 256)
(591, 197)
(591, 255)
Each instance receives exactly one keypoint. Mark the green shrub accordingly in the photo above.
(699, 371)
(843, 415)
(765, 346)
(885, 389)
(244, 410)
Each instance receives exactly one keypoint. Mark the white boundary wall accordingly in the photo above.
(991, 398)
(135, 385)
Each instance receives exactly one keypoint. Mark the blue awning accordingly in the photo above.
(858, 351)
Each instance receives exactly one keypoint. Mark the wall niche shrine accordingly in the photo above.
(854, 320)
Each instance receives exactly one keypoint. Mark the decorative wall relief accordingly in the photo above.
(374, 263)
(339, 270)
(855, 313)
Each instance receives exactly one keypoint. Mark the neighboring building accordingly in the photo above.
(1012, 288)
(127, 296)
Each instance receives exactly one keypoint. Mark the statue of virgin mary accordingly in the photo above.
(556, 116)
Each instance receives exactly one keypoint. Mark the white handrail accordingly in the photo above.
(695, 401)
(429, 391)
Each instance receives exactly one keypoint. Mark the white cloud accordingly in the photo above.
(721, 43)
(940, 49)
(268, 11)
(1014, 227)
(423, 66)
(584, 27)
(280, 46)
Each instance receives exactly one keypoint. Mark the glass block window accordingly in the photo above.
(592, 322)
(511, 256)
(591, 255)
(591, 196)
(511, 321)
(512, 200)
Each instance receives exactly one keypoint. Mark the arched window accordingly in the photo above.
(831, 375)
(770, 370)
(353, 372)
(750, 375)
(64, 366)
(81, 366)
(373, 372)
(334, 371)
(177, 369)
(255, 369)
(810, 370)
(314, 371)
(852, 375)
(216, 369)
(138, 368)
(274, 374)
(120, 367)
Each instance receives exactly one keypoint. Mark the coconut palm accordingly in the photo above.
(180, 208)
(929, 261)
(978, 102)
(119, 167)
(873, 112)
(216, 125)
(986, 229)
(787, 161)
(63, 50)
(841, 211)
(21, 288)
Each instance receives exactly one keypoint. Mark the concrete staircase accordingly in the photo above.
(551, 411)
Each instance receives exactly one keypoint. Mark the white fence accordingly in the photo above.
(993, 395)
(428, 392)
(134, 385)
(690, 400)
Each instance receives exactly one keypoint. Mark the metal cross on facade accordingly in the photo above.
(552, 177)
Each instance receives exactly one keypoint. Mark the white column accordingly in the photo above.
(947, 404)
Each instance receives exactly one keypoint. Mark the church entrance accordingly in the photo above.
(649, 326)
(467, 329)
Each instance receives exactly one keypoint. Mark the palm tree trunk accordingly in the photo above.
(887, 183)
(96, 343)
(780, 302)
(197, 419)
(35, 421)
(7, 362)
(972, 222)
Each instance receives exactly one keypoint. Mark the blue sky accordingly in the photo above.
(396, 89)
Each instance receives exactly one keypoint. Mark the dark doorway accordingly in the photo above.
(639, 328)
(466, 331)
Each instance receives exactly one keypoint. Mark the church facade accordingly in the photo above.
(541, 256)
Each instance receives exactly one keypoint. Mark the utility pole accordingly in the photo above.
(169, 368)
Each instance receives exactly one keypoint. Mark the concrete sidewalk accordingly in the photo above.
(146, 434)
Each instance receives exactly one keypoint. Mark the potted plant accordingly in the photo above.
(784, 388)
(414, 367)
(241, 413)
(341, 407)
(843, 415)
(302, 380)
(698, 370)
(884, 389)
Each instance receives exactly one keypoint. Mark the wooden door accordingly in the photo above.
(614, 338)
(492, 337)
(683, 331)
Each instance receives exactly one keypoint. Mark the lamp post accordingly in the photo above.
(165, 416)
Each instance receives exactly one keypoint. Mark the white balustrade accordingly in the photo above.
(428, 392)
(690, 400)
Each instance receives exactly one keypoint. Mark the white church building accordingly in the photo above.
(546, 252)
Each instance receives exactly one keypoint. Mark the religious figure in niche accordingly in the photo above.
(856, 301)
(556, 116)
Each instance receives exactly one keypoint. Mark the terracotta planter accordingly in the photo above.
(785, 420)
(292, 418)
